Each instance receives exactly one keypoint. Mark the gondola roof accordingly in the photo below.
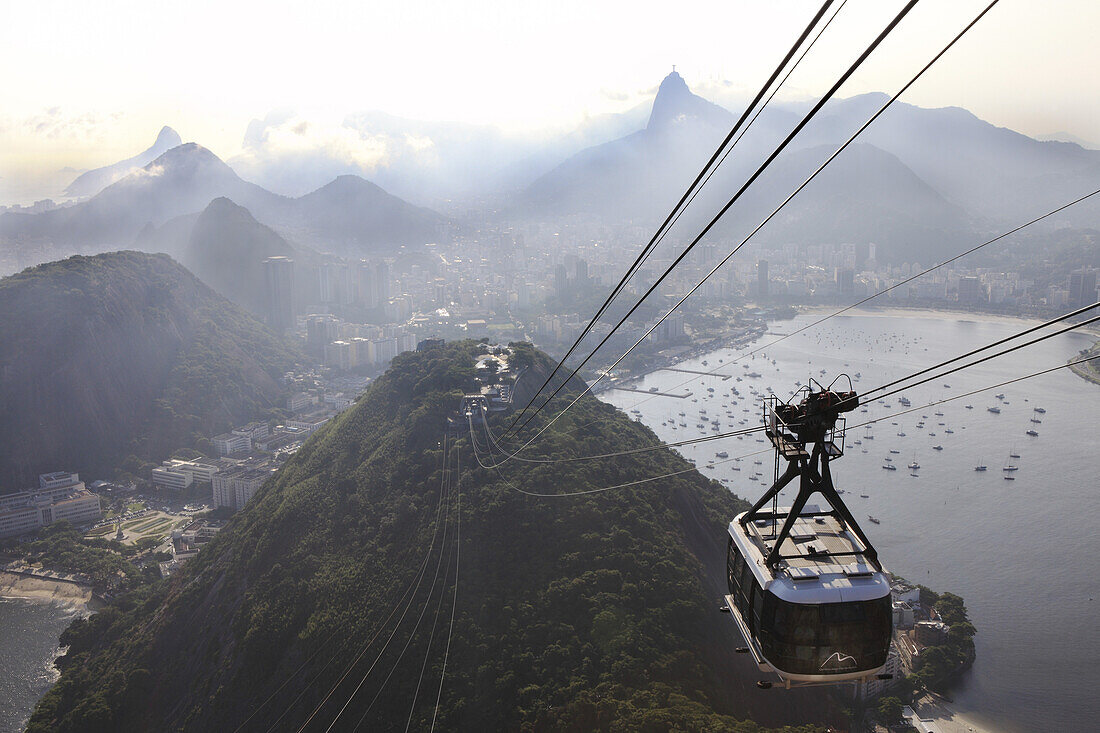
(824, 562)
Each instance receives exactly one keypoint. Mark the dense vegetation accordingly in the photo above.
(940, 663)
(595, 612)
(118, 354)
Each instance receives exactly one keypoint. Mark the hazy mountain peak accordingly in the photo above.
(187, 160)
(223, 205)
(348, 181)
(93, 181)
(675, 102)
(167, 138)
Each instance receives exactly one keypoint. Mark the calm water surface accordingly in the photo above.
(1022, 553)
(28, 646)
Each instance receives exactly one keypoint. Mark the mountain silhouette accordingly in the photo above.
(92, 182)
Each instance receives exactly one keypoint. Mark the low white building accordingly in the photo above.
(230, 443)
(310, 422)
(236, 486)
(169, 477)
(254, 430)
(300, 401)
(60, 496)
(176, 474)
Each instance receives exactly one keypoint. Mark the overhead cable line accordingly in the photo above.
(766, 450)
(628, 484)
(975, 391)
(716, 371)
(713, 221)
(414, 587)
(431, 636)
(684, 200)
(410, 588)
(454, 603)
(775, 153)
(983, 359)
(408, 641)
(632, 451)
(998, 342)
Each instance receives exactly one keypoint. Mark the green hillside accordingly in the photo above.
(596, 612)
(123, 353)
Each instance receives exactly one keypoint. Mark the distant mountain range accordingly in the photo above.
(123, 354)
(924, 177)
(918, 183)
(350, 216)
(92, 182)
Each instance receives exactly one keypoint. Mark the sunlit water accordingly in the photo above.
(1022, 553)
(28, 646)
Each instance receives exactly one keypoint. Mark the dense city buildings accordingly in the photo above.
(540, 281)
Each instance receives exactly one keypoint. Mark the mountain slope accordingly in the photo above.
(965, 174)
(227, 249)
(92, 182)
(351, 215)
(638, 176)
(122, 353)
(995, 173)
(181, 181)
(596, 612)
(348, 216)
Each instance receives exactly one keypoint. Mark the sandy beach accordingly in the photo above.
(933, 714)
(14, 585)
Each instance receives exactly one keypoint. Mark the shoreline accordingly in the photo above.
(894, 311)
(40, 590)
(943, 717)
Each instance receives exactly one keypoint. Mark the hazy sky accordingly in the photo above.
(87, 83)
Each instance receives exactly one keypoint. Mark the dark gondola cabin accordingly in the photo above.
(816, 618)
(806, 587)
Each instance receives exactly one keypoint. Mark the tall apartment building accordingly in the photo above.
(1082, 288)
(279, 282)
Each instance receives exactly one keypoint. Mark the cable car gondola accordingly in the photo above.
(806, 588)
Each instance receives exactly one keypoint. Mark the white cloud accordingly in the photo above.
(284, 134)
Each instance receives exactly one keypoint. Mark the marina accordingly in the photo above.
(926, 530)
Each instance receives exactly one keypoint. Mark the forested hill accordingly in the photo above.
(596, 612)
(123, 354)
